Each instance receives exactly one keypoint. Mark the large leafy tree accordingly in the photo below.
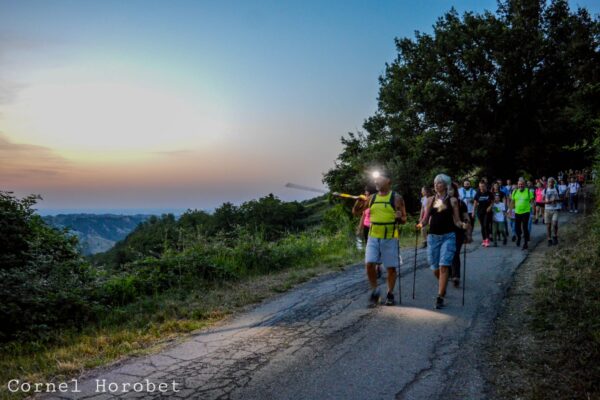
(501, 94)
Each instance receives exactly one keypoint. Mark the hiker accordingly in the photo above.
(552, 203)
(467, 195)
(539, 202)
(562, 193)
(481, 208)
(462, 237)
(365, 224)
(443, 217)
(522, 200)
(426, 192)
(499, 219)
(574, 189)
(531, 188)
(387, 210)
(508, 188)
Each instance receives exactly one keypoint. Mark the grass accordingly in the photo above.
(547, 343)
(566, 319)
(149, 324)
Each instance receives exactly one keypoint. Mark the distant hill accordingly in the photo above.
(273, 217)
(97, 232)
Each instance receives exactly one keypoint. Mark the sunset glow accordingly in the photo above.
(188, 104)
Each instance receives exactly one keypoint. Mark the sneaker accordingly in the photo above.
(555, 240)
(518, 241)
(439, 302)
(514, 238)
(456, 282)
(390, 299)
(535, 221)
(424, 245)
(550, 242)
(483, 242)
(525, 247)
(374, 298)
(504, 241)
(576, 211)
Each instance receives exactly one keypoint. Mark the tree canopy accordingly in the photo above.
(506, 93)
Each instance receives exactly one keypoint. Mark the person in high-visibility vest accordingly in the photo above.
(387, 210)
(522, 202)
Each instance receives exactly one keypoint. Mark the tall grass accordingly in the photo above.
(566, 318)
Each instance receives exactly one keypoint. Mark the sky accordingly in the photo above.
(155, 106)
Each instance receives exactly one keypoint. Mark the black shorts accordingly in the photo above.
(539, 204)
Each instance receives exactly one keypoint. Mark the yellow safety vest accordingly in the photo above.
(383, 217)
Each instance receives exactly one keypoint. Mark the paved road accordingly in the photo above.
(320, 341)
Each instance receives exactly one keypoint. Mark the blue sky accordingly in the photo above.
(170, 105)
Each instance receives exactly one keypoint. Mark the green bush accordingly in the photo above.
(44, 283)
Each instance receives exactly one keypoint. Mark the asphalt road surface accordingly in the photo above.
(321, 341)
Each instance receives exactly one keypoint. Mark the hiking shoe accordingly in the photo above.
(555, 240)
(389, 301)
(374, 298)
(439, 302)
(550, 243)
(514, 238)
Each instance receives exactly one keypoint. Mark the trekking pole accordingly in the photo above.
(415, 264)
(399, 264)
(464, 272)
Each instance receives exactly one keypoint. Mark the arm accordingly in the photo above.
(475, 204)
(456, 214)
(360, 206)
(425, 219)
(400, 209)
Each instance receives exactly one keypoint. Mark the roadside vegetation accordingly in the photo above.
(547, 343)
(62, 314)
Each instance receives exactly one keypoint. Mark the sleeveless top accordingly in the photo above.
(441, 222)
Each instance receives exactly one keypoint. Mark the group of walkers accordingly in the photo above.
(450, 213)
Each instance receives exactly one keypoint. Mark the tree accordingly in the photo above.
(497, 93)
(42, 275)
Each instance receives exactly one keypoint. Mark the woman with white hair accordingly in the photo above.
(443, 217)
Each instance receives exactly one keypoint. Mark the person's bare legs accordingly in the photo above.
(391, 279)
(372, 274)
(443, 280)
(441, 275)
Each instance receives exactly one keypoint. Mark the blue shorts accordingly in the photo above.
(441, 249)
(382, 251)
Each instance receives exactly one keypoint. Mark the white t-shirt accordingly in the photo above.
(562, 189)
(573, 187)
(498, 209)
(467, 197)
(550, 195)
